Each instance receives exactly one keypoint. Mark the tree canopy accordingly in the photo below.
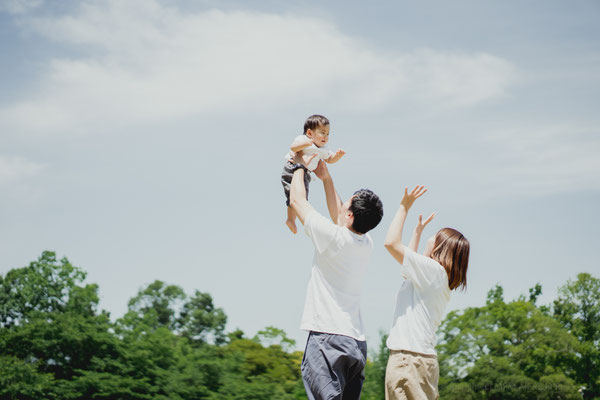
(56, 344)
(518, 350)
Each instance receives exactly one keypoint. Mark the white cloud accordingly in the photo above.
(147, 62)
(545, 160)
(14, 169)
(457, 79)
(19, 6)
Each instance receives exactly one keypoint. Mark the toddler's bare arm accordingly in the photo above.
(300, 144)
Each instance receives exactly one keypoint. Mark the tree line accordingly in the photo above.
(56, 344)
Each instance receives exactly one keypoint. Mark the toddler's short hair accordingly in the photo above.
(315, 121)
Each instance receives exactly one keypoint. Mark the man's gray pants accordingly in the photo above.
(333, 366)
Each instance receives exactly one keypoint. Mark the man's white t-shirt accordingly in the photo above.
(420, 304)
(323, 153)
(333, 296)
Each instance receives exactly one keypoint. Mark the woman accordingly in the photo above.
(413, 371)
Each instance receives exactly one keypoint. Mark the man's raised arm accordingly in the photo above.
(333, 199)
(298, 194)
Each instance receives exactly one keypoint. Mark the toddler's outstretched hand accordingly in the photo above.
(336, 156)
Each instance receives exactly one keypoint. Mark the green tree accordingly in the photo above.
(201, 321)
(45, 285)
(52, 339)
(161, 305)
(505, 351)
(272, 336)
(160, 333)
(156, 305)
(578, 310)
(22, 380)
(374, 385)
(54, 344)
(258, 372)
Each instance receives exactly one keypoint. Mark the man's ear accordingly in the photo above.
(351, 220)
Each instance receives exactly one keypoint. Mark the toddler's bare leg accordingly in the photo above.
(291, 220)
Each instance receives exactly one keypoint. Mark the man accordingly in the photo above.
(336, 350)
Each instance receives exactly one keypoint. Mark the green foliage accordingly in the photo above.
(22, 380)
(504, 350)
(154, 305)
(259, 372)
(55, 344)
(45, 285)
(55, 340)
(271, 336)
(374, 385)
(167, 306)
(578, 310)
(199, 320)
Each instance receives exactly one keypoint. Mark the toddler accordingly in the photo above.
(311, 146)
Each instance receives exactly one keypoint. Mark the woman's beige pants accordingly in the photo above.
(411, 376)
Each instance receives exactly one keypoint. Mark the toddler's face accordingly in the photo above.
(319, 136)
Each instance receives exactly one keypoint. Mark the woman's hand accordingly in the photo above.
(409, 198)
(421, 225)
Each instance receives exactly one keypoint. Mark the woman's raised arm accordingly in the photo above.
(393, 239)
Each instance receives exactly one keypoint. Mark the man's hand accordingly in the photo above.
(421, 225)
(336, 156)
(298, 201)
(409, 198)
(321, 171)
(333, 199)
(307, 159)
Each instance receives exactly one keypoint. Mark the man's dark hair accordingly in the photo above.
(367, 210)
(315, 121)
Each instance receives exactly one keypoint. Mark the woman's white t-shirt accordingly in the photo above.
(420, 304)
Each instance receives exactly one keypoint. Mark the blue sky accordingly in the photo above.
(144, 140)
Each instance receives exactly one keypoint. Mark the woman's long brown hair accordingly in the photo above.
(451, 250)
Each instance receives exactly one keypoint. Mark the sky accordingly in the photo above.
(144, 140)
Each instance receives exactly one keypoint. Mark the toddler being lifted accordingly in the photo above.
(311, 147)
